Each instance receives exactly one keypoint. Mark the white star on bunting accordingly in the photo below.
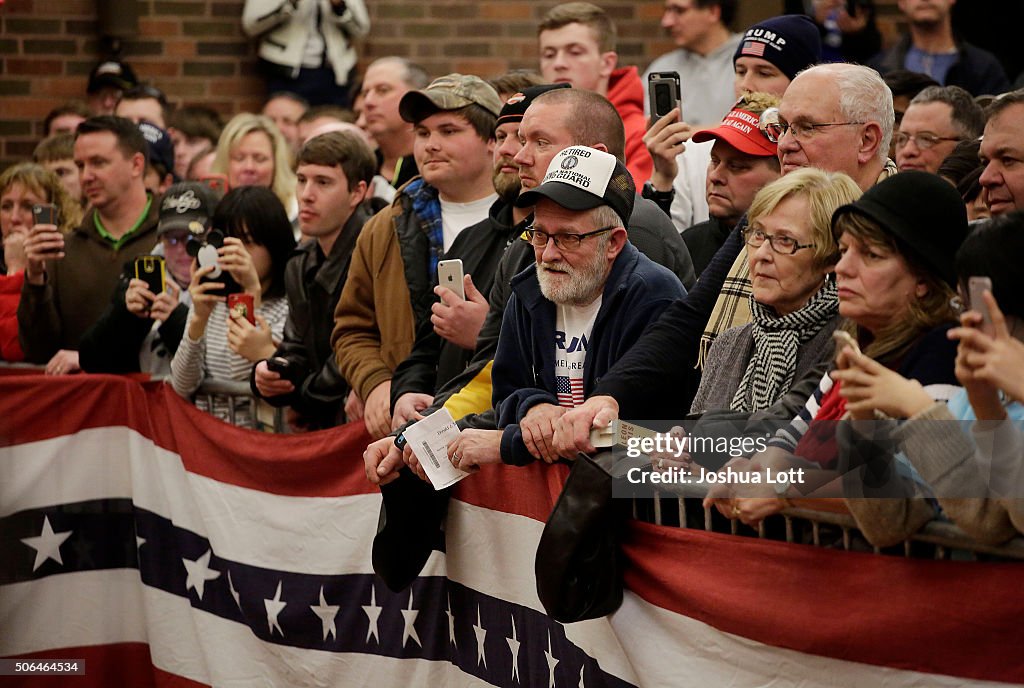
(327, 612)
(481, 635)
(198, 572)
(451, 622)
(274, 608)
(552, 663)
(513, 647)
(372, 614)
(409, 618)
(47, 544)
(234, 592)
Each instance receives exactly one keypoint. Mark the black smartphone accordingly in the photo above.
(664, 92)
(44, 214)
(286, 370)
(153, 271)
(278, 365)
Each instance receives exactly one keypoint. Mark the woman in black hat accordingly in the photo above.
(973, 469)
(895, 280)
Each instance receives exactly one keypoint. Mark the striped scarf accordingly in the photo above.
(777, 341)
(427, 207)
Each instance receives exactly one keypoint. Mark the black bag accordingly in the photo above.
(579, 562)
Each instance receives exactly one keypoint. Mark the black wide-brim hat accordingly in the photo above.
(922, 212)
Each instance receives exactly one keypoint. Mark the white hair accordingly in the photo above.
(863, 97)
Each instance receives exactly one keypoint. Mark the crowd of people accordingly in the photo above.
(608, 264)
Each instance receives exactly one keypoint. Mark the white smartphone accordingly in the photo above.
(449, 274)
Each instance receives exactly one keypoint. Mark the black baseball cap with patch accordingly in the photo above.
(581, 178)
(186, 206)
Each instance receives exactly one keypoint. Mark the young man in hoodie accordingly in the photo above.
(577, 46)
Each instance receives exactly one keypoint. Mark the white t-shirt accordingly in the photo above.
(690, 204)
(455, 217)
(573, 327)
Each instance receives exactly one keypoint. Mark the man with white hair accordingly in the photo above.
(836, 117)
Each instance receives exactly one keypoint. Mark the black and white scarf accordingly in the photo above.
(777, 339)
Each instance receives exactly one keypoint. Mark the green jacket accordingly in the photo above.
(55, 315)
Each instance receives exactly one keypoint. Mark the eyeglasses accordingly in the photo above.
(564, 241)
(924, 140)
(785, 245)
(175, 239)
(801, 130)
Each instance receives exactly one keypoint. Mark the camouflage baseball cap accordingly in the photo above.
(449, 92)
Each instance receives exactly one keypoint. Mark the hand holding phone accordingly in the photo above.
(44, 242)
(449, 275)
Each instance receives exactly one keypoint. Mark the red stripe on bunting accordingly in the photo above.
(942, 617)
(529, 491)
(321, 464)
(117, 664)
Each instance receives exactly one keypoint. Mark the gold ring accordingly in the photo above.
(735, 510)
(458, 459)
(661, 463)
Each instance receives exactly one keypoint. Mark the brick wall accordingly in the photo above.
(195, 50)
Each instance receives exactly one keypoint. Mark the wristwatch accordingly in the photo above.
(650, 193)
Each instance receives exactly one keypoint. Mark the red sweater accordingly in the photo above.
(10, 294)
(626, 93)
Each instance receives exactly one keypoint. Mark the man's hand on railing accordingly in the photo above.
(538, 429)
(572, 430)
(382, 461)
(64, 362)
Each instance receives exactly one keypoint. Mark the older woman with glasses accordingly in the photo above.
(794, 305)
(894, 280)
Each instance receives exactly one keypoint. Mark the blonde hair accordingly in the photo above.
(241, 125)
(923, 314)
(824, 191)
(45, 183)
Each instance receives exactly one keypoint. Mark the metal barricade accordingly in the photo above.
(238, 396)
(945, 540)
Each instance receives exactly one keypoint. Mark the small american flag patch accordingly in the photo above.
(569, 391)
(755, 48)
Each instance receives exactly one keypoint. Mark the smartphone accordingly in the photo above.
(153, 271)
(242, 305)
(844, 339)
(976, 286)
(278, 365)
(664, 92)
(44, 214)
(449, 274)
